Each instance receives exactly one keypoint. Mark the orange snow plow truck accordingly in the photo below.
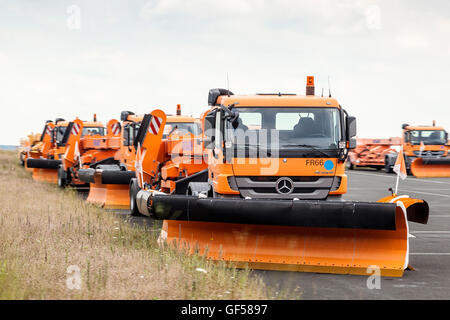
(169, 155)
(109, 179)
(426, 151)
(88, 145)
(370, 153)
(270, 196)
(45, 159)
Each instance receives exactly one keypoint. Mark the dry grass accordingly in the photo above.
(43, 231)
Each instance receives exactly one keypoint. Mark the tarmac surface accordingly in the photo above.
(429, 247)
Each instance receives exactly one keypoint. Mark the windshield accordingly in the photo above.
(91, 131)
(181, 128)
(60, 133)
(427, 136)
(292, 127)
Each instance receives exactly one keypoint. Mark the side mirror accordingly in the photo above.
(234, 119)
(351, 127)
(209, 130)
(407, 136)
(124, 115)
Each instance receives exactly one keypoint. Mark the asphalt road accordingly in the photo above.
(429, 247)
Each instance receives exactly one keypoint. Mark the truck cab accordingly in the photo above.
(429, 143)
(277, 146)
(434, 141)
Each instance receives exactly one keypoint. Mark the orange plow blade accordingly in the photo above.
(97, 194)
(323, 250)
(117, 196)
(46, 175)
(431, 168)
(108, 196)
(311, 236)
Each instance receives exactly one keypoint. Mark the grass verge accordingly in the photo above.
(53, 245)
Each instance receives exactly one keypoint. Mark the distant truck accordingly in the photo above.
(426, 151)
(371, 153)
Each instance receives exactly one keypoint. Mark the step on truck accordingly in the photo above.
(271, 197)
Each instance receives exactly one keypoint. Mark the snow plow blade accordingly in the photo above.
(44, 169)
(43, 163)
(343, 237)
(108, 188)
(431, 167)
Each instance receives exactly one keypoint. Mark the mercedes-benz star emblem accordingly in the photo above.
(285, 185)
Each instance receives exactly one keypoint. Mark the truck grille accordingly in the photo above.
(429, 153)
(302, 187)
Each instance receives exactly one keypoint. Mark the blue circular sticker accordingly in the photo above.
(328, 165)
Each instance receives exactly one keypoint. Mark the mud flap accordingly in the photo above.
(431, 167)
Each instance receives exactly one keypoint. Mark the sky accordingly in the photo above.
(387, 61)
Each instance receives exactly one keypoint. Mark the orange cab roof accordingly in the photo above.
(172, 118)
(134, 118)
(93, 124)
(276, 100)
(429, 128)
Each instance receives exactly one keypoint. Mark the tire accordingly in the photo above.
(349, 164)
(387, 166)
(134, 189)
(62, 181)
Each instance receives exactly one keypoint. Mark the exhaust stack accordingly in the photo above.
(178, 110)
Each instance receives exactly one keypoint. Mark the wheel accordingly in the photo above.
(134, 189)
(387, 166)
(62, 181)
(349, 164)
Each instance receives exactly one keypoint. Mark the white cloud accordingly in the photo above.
(146, 54)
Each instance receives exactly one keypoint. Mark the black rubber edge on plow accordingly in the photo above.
(117, 176)
(109, 161)
(86, 175)
(431, 160)
(300, 213)
(418, 212)
(43, 163)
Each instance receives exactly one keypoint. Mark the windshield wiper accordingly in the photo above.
(173, 129)
(246, 145)
(307, 146)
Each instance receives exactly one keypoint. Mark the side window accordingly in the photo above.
(126, 135)
(250, 120)
(218, 134)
